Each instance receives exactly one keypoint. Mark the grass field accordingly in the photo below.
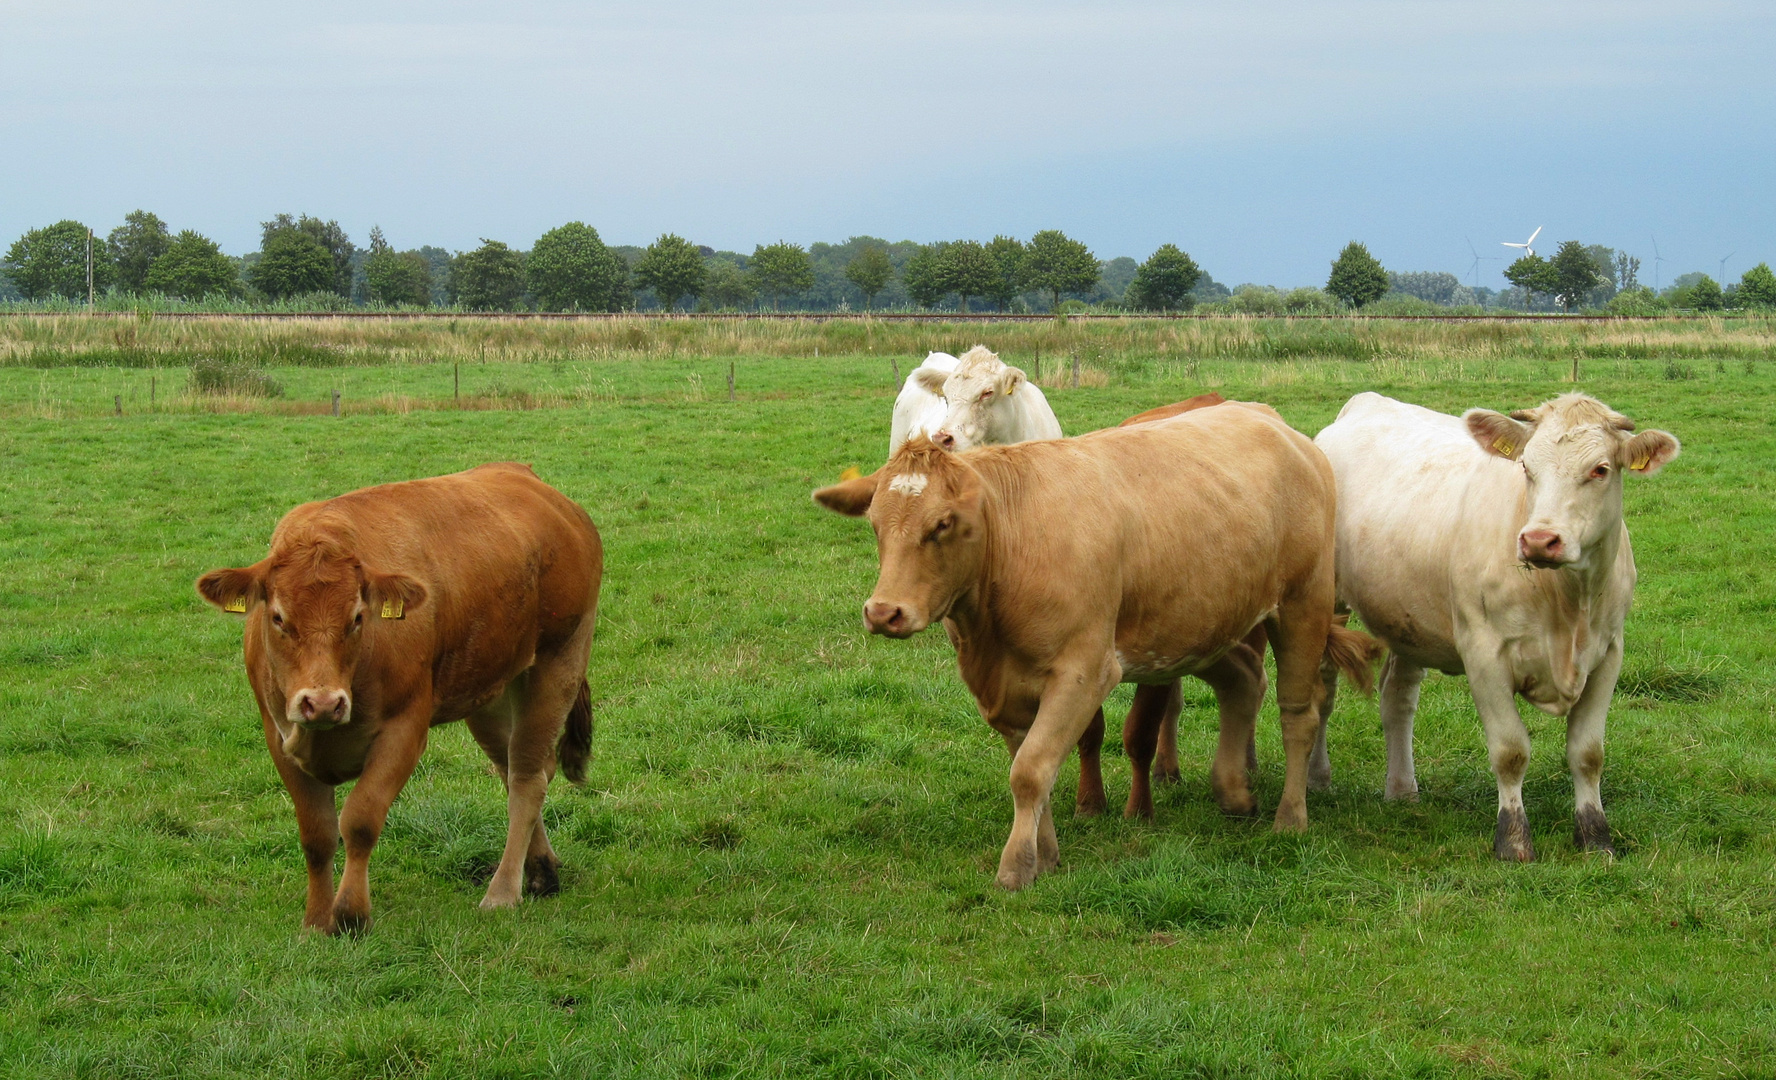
(782, 864)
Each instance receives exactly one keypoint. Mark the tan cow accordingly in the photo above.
(1060, 568)
(384, 612)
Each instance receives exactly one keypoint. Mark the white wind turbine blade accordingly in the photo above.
(1533, 235)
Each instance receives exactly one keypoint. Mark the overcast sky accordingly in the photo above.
(1259, 136)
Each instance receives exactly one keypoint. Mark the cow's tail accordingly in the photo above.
(1354, 654)
(573, 751)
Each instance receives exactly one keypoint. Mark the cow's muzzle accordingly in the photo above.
(1543, 548)
(892, 620)
(318, 708)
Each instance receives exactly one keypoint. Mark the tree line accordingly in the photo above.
(305, 259)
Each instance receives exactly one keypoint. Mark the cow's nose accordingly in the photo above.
(1540, 545)
(322, 706)
(884, 618)
(945, 440)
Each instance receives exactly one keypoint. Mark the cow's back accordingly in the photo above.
(506, 561)
(1423, 513)
(1211, 512)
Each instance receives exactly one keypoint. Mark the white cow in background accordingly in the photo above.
(1494, 545)
(973, 401)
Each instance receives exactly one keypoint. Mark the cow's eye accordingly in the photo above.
(357, 620)
(985, 394)
(941, 529)
(277, 620)
(1601, 472)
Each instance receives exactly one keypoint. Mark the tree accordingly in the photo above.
(1705, 295)
(1358, 278)
(291, 262)
(51, 261)
(490, 278)
(1627, 271)
(967, 269)
(191, 268)
(870, 271)
(726, 286)
(781, 268)
(1575, 273)
(571, 269)
(919, 276)
(1757, 287)
(1533, 274)
(1165, 280)
(326, 233)
(673, 267)
(1056, 264)
(133, 247)
(396, 278)
(1008, 255)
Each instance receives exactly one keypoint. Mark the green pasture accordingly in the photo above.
(782, 863)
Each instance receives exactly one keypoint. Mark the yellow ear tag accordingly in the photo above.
(238, 604)
(851, 472)
(394, 608)
(1641, 462)
(1504, 446)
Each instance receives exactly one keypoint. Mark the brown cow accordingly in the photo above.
(386, 611)
(1060, 568)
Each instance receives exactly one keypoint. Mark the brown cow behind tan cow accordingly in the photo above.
(384, 612)
(1060, 568)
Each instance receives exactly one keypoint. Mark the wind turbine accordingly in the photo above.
(1723, 268)
(1474, 270)
(1657, 259)
(1528, 252)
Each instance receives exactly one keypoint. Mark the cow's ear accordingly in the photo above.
(930, 380)
(1649, 451)
(1010, 379)
(391, 596)
(1497, 433)
(234, 589)
(849, 497)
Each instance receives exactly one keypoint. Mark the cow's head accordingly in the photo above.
(318, 603)
(979, 394)
(925, 506)
(1574, 451)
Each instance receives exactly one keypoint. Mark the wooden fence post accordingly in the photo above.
(117, 399)
(456, 383)
(151, 382)
(1075, 371)
(895, 364)
(730, 380)
(335, 403)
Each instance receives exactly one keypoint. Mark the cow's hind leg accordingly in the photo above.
(1298, 634)
(492, 727)
(1140, 736)
(1165, 758)
(548, 693)
(1239, 684)
(1090, 800)
(1400, 681)
(1584, 754)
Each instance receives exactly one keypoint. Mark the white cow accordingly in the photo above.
(920, 409)
(983, 402)
(1494, 545)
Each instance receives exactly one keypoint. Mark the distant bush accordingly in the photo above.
(1638, 300)
(217, 377)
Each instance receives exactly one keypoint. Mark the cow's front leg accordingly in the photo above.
(387, 767)
(1584, 753)
(317, 824)
(1400, 682)
(1507, 746)
(1072, 695)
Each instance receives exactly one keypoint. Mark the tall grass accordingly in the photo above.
(143, 340)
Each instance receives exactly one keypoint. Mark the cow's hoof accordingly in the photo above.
(1290, 821)
(1167, 774)
(1319, 779)
(542, 876)
(1401, 793)
(1510, 841)
(1237, 808)
(1016, 870)
(1138, 809)
(1591, 832)
(350, 923)
(1086, 807)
